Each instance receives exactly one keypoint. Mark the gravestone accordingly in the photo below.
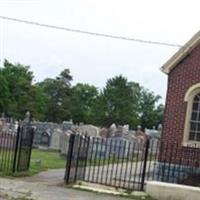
(45, 139)
(90, 130)
(67, 125)
(125, 128)
(64, 142)
(105, 133)
(55, 139)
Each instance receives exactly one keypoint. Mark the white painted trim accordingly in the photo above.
(181, 53)
(189, 96)
(192, 91)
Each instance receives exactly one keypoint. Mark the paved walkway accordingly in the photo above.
(49, 177)
(46, 185)
(38, 191)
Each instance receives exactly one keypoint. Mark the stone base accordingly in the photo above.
(168, 191)
(174, 173)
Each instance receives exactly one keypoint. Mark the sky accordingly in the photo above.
(95, 59)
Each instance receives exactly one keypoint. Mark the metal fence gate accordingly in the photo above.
(15, 148)
(113, 162)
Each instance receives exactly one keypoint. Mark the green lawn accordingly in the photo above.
(53, 160)
(49, 160)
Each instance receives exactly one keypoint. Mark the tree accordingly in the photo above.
(18, 94)
(99, 112)
(40, 103)
(58, 93)
(121, 101)
(4, 93)
(54, 99)
(151, 114)
(17, 79)
(82, 100)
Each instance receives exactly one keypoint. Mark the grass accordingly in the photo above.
(49, 160)
(53, 160)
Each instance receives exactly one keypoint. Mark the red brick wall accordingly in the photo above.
(180, 79)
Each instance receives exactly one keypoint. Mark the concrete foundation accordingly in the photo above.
(168, 191)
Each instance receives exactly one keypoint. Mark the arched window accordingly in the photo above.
(192, 119)
(195, 119)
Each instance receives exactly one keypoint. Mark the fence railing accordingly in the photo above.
(178, 164)
(15, 148)
(7, 150)
(129, 164)
(113, 162)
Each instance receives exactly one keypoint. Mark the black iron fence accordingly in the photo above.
(129, 164)
(15, 148)
(179, 164)
(113, 162)
(7, 150)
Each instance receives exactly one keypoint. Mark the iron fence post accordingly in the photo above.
(69, 158)
(145, 163)
(16, 150)
(30, 148)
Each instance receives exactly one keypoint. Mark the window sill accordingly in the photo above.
(190, 143)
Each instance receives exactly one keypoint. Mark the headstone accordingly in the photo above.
(45, 139)
(104, 132)
(65, 142)
(119, 132)
(112, 129)
(89, 130)
(55, 139)
(152, 133)
(67, 125)
(159, 127)
(45, 127)
(126, 128)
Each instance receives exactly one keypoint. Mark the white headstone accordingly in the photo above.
(90, 130)
(65, 142)
(55, 139)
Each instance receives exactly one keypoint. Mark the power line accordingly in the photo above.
(89, 33)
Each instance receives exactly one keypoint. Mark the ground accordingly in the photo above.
(48, 185)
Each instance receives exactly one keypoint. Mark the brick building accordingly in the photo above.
(181, 128)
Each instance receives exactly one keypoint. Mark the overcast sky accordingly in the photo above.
(94, 59)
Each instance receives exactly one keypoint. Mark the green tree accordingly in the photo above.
(40, 103)
(99, 112)
(19, 80)
(19, 95)
(54, 99)
(4, 93)
(58, 94)
(121, 98)
(82, 99)
(151, 113)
